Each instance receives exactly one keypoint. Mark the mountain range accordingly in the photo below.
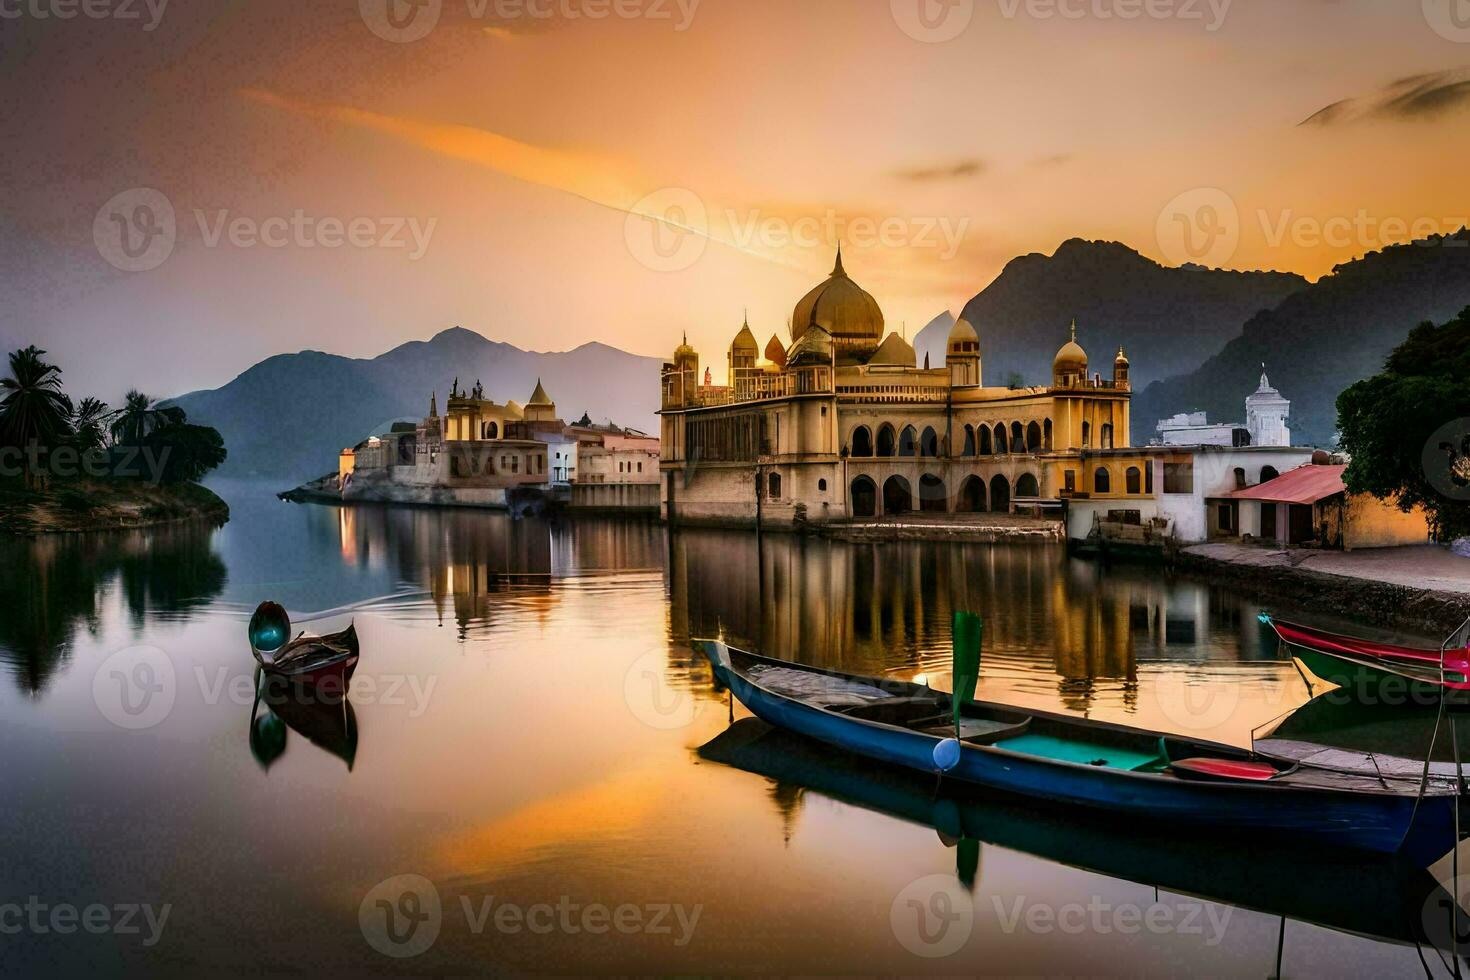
(1169, 319)
(1321, 339)
(289, 416)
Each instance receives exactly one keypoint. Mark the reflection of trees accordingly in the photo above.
(877, 608)
(52, 586)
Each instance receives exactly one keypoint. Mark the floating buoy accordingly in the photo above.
(947, 754)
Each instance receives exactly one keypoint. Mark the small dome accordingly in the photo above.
(1122, 358)
(813, 347)
(776, 351)
(684, 350)
(894, 352)
(844, 309)
(1071, 359)
(539, 396)
(962, 331)
(744, 342)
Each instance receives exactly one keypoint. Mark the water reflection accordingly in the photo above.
(55, 585)
(886, 608)
(329, 723)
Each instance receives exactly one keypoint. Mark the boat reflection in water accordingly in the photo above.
(323, 718)
(1380, 897)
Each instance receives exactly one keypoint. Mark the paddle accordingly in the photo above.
(968, 630)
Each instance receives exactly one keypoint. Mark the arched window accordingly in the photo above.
(492, 430)
(972, 496)
(864, 497)
(1018, 438)
(1086, 434)
(1033, 438)
(862, 441)
(898, 498)
(1133, 480)
(1027, 486)
(931, 494)
(1001, 443)
(821, 486)
(908, 442)
(1046, 435)
(886, 441)
(1268, 473)
(969, 441)
(1107, 436)
(1000, 494)
(1240, 478)
(1102, 481)
(987, 445)
(929, 443)
(774, 482)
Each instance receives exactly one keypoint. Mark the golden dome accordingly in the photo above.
(813, 347)
(684, 350)
(1071, 359)
(539, 396)
(745, 342)
(1122, 358)
(844, 309)
(962, 332)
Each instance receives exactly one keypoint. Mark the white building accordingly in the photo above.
(1266, 415)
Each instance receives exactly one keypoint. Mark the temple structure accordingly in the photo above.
(841, 422)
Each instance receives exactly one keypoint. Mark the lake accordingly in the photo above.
(534, 773)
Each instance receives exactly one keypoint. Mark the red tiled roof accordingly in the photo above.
(1303, 485)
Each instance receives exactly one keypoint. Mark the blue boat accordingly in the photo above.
(1163, 779)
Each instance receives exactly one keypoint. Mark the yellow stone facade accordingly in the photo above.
(845, 424)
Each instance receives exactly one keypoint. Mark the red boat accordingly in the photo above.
(315, 661)
(1354, 662)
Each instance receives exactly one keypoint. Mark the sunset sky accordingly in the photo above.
(519, 162)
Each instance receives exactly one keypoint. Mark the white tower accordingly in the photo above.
(1266, 415)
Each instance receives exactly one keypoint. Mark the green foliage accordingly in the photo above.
(90, 423)
(1393, 425)
(187, 452)
(139, 417)
(34, 407)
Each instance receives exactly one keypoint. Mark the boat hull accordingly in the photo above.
(1370, 822)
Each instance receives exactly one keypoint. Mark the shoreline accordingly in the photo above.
(100, 506)
(1343, 582)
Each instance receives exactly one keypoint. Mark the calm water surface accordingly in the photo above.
(528, 729)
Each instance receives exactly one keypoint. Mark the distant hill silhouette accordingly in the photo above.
(1170, 319)
(1321, 339)
(289, 416)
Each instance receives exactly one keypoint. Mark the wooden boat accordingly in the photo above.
(315, 661)
(329, 724)
(1115, 768)
(1362, 665)
(1379, 896)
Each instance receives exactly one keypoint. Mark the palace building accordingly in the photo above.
(842, 423)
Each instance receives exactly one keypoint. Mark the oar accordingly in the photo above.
(965, 643)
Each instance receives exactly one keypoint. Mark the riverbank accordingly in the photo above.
(75, 506)
(1423, 589)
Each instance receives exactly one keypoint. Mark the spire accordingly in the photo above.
(1265, 381)
(434, 405)
(747, 317)
(838, 270)
(1074, 330)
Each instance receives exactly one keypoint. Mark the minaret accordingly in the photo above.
(1267, 414)
(434, 405)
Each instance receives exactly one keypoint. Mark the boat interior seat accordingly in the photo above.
(978, 731)
(891, 711)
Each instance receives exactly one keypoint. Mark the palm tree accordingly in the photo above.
(90, 422)
(34, 408)
(140, 416)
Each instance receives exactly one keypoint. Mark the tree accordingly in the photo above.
(1408, 428)
(90, 423)
(187, 452)
(139, 416)
(34, 408)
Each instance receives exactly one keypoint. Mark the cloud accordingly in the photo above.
(958, 170)
(1417, 97)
